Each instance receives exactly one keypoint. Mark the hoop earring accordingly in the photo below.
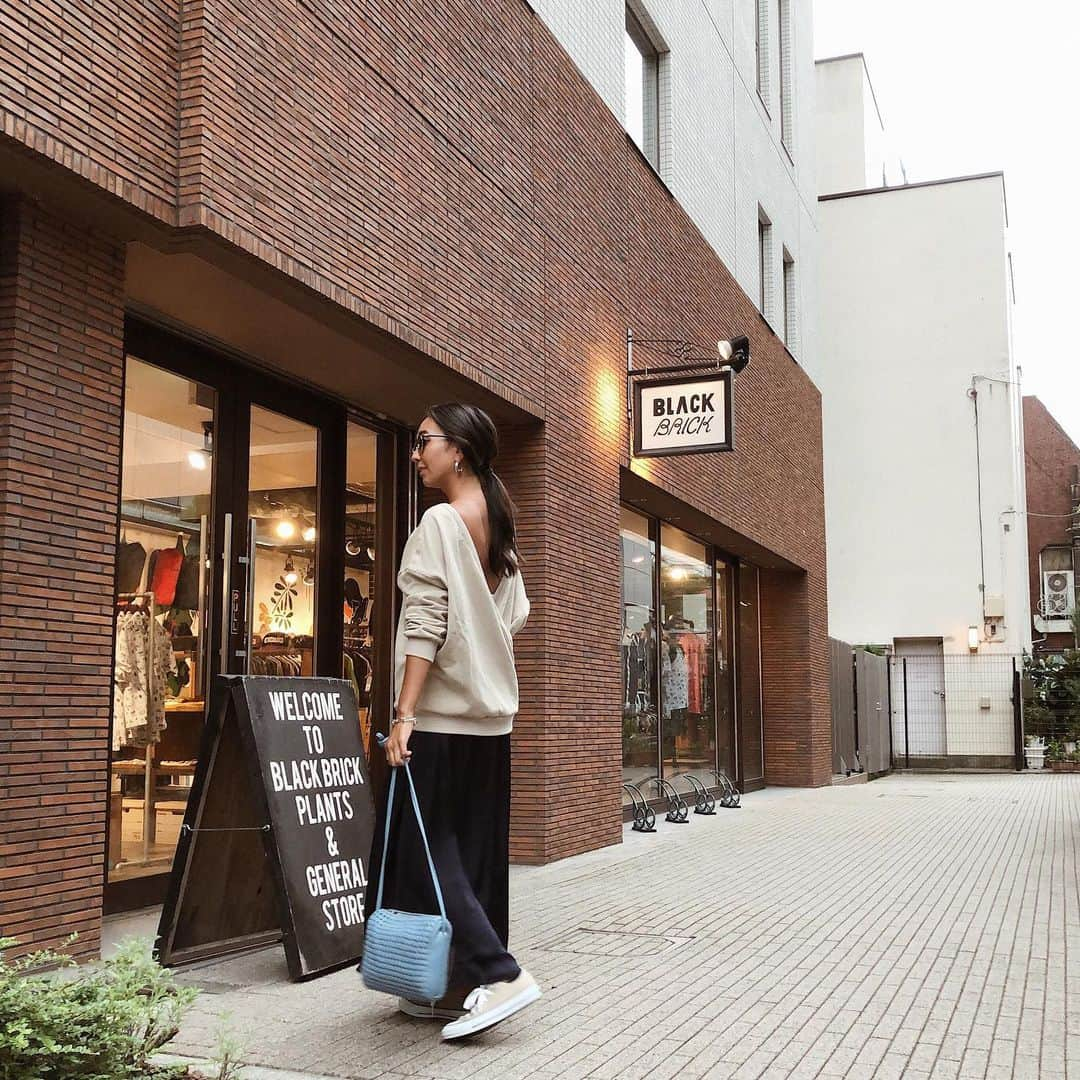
(457, 466)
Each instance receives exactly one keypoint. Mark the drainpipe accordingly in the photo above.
(973, 393)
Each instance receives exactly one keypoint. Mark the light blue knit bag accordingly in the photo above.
(407, 954)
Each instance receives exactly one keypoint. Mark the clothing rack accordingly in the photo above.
(149, 820)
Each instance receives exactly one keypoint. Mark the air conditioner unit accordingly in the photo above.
(1059, 594)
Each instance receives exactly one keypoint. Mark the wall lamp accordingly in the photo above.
(973, 638)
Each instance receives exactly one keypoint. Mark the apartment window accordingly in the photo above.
(789, 301)
(761, 48)
(764, 236)
(642, 89)
(784, 23)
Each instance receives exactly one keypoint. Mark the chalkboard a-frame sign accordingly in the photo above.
(277, 833)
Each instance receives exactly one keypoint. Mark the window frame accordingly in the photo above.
(789, 293)
(635, 34)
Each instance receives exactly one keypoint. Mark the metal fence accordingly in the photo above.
(860, 713)
(956, 711)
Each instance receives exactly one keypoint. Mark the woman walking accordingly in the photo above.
(457, 695)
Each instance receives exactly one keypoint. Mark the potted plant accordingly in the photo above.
(1035, 751)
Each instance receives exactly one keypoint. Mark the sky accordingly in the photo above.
(967, 88)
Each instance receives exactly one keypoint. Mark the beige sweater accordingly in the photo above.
(450, 617)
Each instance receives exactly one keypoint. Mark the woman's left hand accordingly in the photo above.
(397, 746)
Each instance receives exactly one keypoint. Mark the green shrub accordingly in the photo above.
(98, 1022)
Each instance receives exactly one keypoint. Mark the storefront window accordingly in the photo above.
(161, 615)
(725, 682)
(359, 594)
(688, 720)
(638, 650)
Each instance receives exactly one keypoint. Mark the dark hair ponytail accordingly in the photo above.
(474, 433)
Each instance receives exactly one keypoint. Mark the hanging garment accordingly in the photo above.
(130, 563)
(673, 677)
(187, 581)
(140, 682)
(165, 571)
(694, 648)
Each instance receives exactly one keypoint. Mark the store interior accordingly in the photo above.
(165, 558)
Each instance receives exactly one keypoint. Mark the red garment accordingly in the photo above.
(166, 572)
(694, 650)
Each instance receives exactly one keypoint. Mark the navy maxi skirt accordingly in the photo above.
(463, 784)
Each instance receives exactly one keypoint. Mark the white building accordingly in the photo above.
(923, 441)
(719, 98)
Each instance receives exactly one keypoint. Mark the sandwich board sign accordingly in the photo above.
(278, 827)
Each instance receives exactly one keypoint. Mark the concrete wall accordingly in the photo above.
(854, 151)
(914, 304)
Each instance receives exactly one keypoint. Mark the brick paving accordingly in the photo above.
(918, 926)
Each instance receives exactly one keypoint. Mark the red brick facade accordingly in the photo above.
(446, 180)
(61, 358)
(1051, 461)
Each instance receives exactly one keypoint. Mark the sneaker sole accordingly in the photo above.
(425, 1012)
(497, 1016)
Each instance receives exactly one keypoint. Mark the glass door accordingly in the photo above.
(281, 551)
(162, 621)
(228, 479)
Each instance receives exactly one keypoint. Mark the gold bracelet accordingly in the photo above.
(403, 720)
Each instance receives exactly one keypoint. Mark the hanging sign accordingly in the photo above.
(277, 835)
(680, 415)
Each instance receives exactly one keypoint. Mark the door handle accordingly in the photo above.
(226, 594)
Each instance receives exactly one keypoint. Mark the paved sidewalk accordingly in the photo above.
(917, 926)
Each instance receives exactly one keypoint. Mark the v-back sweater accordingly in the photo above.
(451, 617)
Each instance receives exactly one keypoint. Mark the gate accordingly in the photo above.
(955, 711)
(872, 703)
(842, 685)
(860, 710)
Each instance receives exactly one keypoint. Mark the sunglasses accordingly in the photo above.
(422, 440)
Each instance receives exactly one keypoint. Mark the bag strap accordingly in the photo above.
(423, 835)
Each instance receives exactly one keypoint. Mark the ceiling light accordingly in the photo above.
(309, 534)
(286, 529)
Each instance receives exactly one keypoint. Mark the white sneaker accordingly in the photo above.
(424, 1010)
(490, 1005)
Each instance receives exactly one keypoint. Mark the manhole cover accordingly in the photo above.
(588, 941)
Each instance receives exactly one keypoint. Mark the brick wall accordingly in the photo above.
(1050, 457)
(447, 173)
(61, 334)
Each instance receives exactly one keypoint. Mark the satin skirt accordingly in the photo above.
(463, 784)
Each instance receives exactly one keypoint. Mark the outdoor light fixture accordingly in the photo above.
(735, 352)
(973, 638)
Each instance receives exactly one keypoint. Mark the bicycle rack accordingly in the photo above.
(731, 797)
(644, 818)
(677, 812)
(704, 803)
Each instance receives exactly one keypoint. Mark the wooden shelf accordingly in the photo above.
(185, 706)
